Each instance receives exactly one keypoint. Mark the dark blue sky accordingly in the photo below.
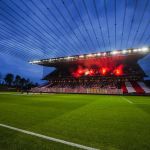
(37, 29)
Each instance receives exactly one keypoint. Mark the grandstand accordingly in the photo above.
(111, 72)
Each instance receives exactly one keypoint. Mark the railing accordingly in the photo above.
(78, 90)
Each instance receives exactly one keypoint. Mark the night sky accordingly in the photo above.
(37, 29)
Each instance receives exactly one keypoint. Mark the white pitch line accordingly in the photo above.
(127, 100)
(5, 93)
(48, 138)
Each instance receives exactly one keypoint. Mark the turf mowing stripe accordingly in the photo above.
(127, 100)
(48, 138)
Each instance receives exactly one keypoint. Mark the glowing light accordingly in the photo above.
(87, 72)
(135, 50)
(119, 70)
(89, 55)
(80, 71)
(69, 57)
(76, 75)
(124, 51)
(98, 54)
(94, 55)
(129, 51)
(91, 72)
(35, 62)
(104, 70)
(144, 49)
(114, 52)
(81, 56)
(104, 54)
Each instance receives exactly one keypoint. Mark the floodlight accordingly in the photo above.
(135, 50)
(35, 62)
(89, 55)
(124, 51)
(69, 57)
(81, 56)
(144, 49)
(104, 54)
(98, 54)
(129, 51)
(114, 52)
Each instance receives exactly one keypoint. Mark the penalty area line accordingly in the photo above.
(127, 100)
(48, 138)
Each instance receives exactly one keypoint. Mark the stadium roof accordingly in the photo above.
(130, 55)
(37, 29)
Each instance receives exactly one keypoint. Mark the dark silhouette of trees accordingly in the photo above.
(17, 82)
(1, 79)
(9, 79)
(26, 84)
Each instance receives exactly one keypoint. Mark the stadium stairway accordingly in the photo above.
(124, 89)
(137, 88)
(130, 88)
(144, 87)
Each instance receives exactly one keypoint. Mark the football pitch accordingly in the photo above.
(97, 121)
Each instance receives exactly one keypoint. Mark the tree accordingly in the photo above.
(1, 79)
(17, 81)
(9, 79)
(22, 82)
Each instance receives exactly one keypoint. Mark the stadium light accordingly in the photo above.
(135, 50)
(144, 49)
(129, 51)
(34, 62)
(49, 60)
(81, 56)
(104, 54)
(114, 52)
(89, 55)
(98, 54)
(124, 51)
(69, 57)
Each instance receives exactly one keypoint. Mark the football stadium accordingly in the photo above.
(115, 72)
(74, 74)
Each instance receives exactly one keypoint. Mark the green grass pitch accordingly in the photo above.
(98, 121)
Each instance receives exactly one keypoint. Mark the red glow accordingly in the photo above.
(118, 71)
(91, 72)
(80, 71)
(104, 70)
(86, 72)
(76, 75)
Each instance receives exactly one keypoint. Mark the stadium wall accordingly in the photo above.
(79, 90)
